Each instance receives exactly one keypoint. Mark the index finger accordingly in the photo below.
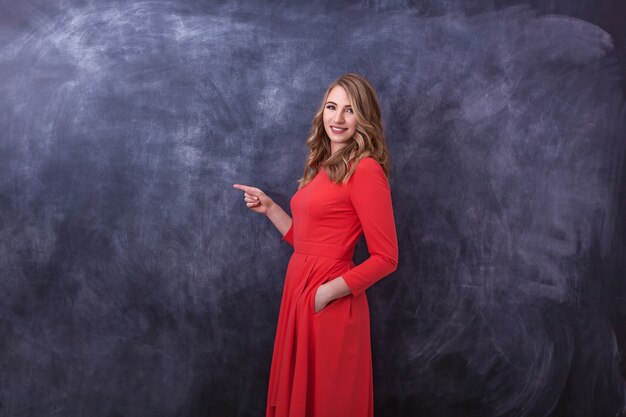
(246, 188)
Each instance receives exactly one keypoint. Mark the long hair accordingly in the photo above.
(368, 139)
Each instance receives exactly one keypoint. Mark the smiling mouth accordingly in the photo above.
(337, 130)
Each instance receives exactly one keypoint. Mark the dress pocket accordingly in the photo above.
(312, 301)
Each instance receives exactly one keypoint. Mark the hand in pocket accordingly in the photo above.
(321, 300)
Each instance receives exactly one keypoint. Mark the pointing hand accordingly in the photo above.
(256, 200)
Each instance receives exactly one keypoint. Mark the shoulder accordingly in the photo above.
(369, 172)
(369, 165)
(368, 162)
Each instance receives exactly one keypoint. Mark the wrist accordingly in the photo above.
(270, 209)
(335, 288)
(325, 293)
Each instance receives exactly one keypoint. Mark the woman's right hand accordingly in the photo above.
(256, 200)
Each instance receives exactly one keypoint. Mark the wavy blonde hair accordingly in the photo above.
(368, 139)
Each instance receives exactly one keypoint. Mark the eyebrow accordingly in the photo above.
(332, 102)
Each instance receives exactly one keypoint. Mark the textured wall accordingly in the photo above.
(134, 282)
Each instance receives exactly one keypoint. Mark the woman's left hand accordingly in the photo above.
(321, 299)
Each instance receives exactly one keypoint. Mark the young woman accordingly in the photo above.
(322, 364)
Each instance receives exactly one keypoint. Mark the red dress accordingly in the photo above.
(322, 362)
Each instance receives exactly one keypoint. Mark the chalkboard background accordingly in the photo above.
(134, 281)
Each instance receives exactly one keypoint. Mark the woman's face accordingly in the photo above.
(339, 120)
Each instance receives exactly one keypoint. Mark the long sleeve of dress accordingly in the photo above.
(288, 237)
(370, 195)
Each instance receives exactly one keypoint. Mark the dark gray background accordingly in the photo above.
(134, 281)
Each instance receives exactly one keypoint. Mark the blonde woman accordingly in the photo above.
(322, 363)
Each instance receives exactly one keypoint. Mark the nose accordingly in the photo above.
(338, 117)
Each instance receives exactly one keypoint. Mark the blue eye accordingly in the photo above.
(331, 107)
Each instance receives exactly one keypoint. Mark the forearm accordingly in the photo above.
(279, 218)
(334, 289)
(373, 269)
